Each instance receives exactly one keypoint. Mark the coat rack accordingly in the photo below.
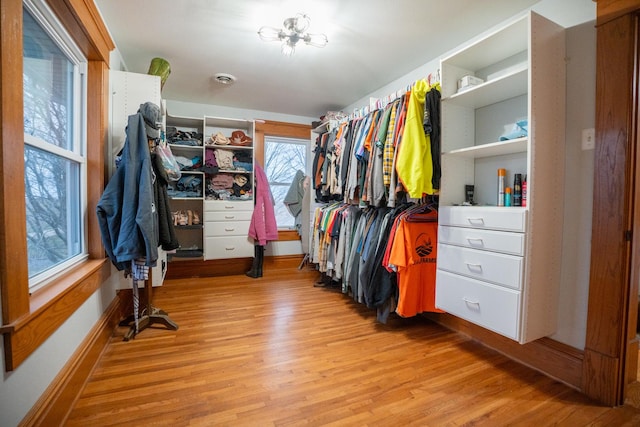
(152, 316)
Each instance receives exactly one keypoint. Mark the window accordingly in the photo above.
(54, 86)
(283, 158)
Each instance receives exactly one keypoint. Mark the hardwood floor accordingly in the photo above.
(278, 351)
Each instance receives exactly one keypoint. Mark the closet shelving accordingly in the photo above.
(227, 217)
(189, 235)
(499, 267)
(224, 219)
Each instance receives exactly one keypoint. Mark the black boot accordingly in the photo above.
(260, 259)
(256, 266)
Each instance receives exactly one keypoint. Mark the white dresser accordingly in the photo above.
(481, 264)
(226, 224)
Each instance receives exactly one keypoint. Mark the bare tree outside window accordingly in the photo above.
(283, 158)
(53, 150)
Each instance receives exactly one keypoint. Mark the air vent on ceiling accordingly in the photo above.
(225, 79)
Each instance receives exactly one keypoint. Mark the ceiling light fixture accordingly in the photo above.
(224, 78)
(294, 31)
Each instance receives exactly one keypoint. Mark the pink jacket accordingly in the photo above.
(263, 227)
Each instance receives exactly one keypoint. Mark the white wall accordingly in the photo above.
(21, 388)
(579, 172)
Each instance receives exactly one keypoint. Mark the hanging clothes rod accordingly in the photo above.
(379, 103)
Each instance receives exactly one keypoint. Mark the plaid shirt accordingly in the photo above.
(387, 154)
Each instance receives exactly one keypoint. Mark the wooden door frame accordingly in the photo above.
(611, 347)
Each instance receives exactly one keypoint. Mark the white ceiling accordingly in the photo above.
(371, 43)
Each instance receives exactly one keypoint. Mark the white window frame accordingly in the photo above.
(45, 17)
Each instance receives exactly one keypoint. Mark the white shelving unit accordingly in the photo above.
(224, 217)
(227, 216)
(499, 267)
(189, 235)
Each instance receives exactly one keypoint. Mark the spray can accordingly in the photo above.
(524, 191)
(517, 190)
(507, 196)
(501, 175)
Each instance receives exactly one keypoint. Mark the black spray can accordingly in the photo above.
(517, 189)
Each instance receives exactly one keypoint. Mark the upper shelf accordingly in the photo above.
(185, 122)
(493, 48)
(499, 148)
(512, 84)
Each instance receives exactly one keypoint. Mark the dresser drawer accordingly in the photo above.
(227, 228)
(491, 218)
(221, 216)
(228, 247)
(492, 307)
(501, 269)
(228, 205)
(498, 241)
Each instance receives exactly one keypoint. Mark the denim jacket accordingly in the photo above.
(126, 211)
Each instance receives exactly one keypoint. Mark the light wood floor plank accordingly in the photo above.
(278, 351)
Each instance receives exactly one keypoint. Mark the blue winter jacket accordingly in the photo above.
(126, 211)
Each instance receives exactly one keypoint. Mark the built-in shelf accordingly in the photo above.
(499, 148)
(191, 253)
(509, 85)
(189, 227)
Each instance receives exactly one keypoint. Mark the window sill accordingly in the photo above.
(50, 307)
(287, 235)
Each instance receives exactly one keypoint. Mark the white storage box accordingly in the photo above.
(469, 81)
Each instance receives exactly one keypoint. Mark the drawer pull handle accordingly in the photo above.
(229, 229)
(229, 216)
(474, 267)
(476, 221)
(475, 241)
(228, 207)
(231, 248)
(467, 301)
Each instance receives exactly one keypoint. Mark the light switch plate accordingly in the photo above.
(588, 139)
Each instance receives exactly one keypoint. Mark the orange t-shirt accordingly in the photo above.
(414, 252)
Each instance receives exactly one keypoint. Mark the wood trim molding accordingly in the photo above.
(609, 10)
(288, 235)
(97, 136)
(29, 320)
(13, 251)
(609, 288)
(50, 308)
(183, 269)
(84, 23)
(283, 129)
(554, 359)
(56, 402)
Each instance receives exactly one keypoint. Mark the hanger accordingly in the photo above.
(426, 211)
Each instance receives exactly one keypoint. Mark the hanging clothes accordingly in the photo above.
(263, 227)
(166, 232)
(414, 163)
(126, 210)
(414, 253)
(431, 125)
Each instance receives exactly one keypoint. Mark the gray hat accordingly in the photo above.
(151, 115)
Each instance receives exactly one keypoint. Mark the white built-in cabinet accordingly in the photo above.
(224, 218)
(183, 202)
(499, 267)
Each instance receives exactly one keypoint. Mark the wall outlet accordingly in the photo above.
(588, 139)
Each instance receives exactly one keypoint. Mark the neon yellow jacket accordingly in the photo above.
(414, 163)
